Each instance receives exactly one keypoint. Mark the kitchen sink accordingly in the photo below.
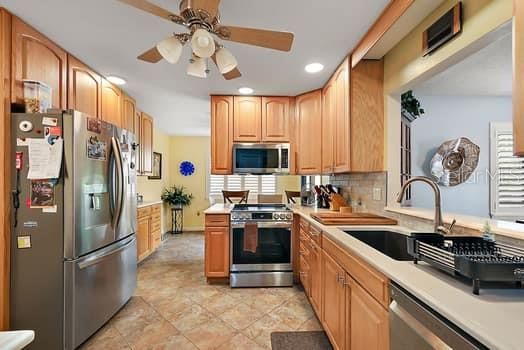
(392, 244)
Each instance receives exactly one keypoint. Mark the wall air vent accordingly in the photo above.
(443, 30)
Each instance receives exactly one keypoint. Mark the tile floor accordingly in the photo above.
(174, 308)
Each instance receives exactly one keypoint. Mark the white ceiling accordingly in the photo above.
(108, 35)
(486, 72)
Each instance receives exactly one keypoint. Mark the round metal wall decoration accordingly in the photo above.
(187, 168)
(455, 161)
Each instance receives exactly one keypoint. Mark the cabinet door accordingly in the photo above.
(305, 273)
(342, 120)
(309, 133)
(111, 103)
(128, 113)
(316, 277)
(84, 88)
(35, 57)
(275, 119)
(222, 135)
(328, 127)
(367, 116)
(368, 321)
(146, 146)
(143, 234)
(247, 117)
(138, 140)
(217, 252)
(333, 301)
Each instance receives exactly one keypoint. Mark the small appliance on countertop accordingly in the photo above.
(474, 258)
(261, 246)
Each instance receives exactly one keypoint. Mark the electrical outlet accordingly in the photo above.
(377, 194)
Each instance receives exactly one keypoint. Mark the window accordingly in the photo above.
(506, 174)
(405, 155)
(256, 184)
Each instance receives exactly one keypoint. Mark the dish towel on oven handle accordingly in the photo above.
(250, 237)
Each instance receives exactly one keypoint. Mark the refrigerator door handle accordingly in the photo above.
(95, 259)
(120, 182)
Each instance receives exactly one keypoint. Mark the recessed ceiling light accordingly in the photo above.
(245, 91)
(116, 80)
(314, 67)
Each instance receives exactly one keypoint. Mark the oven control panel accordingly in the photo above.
(264, 216)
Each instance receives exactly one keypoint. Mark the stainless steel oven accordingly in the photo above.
(269, 262)
(261, 158)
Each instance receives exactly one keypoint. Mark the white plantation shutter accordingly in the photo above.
(507, 174)
(256, 184)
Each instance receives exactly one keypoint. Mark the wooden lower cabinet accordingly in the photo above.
(315, 267)
(367, 322)
(216, 259)
(333, 301)
(149, 230)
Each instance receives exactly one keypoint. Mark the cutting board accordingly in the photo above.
(342, 219)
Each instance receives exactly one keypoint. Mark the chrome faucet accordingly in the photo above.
(438, 222)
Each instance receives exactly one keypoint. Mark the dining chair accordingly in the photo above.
(241, 196)
(269, 198)
(291, 195)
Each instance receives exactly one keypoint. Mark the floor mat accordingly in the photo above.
(316, 340)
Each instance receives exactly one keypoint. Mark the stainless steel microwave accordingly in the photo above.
(261, 158)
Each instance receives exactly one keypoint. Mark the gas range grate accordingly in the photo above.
(471, 257)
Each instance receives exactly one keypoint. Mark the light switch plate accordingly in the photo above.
(377, 194)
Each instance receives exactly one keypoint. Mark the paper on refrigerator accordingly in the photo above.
(45, 159)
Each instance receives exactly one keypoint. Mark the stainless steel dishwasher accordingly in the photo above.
(413, 325)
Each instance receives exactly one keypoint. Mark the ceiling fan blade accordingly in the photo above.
(233, 74)
(259, 37)
(152, 55)
(154, 10)
(210, 6)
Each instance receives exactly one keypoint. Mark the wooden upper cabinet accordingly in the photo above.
(146, 144)
(309, 133)
(367, 322)
(341, 162)
(247, 118)
(275, 119)
(334, 302)
(35, 57)
(84, 88)
(128, 113)
(138, 127)
(221, 135)
(328, 126)
(367, 116)
(111, 103)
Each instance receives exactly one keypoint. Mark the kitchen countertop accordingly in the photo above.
(16, 340)
(148, 203)
(219, 208)
(495, 317)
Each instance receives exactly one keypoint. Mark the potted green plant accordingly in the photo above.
(411, 106)
(176, 196)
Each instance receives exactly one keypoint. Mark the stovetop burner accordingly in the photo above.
(260, 207)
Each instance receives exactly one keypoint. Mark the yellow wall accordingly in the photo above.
(195, 149)
(404, 66)
(152, 189)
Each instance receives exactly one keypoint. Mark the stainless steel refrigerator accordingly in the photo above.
(73, 250)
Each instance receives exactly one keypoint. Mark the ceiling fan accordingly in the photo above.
(202, 20)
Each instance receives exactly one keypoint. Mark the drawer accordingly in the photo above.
(217, 220)
(315, 234)
(156, 218)
(143, 212)
(374, 282)
(156, 209)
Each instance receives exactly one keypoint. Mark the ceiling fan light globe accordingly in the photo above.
(170, 49)
(202, 43)
(226, 62)
(197, 67)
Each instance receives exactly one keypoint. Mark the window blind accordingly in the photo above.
(507, 174)
(256, 184)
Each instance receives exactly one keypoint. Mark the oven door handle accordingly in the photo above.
(266, 225)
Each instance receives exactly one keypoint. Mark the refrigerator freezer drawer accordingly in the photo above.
(97, 286)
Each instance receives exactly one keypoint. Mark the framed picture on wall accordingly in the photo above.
(157, 167)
